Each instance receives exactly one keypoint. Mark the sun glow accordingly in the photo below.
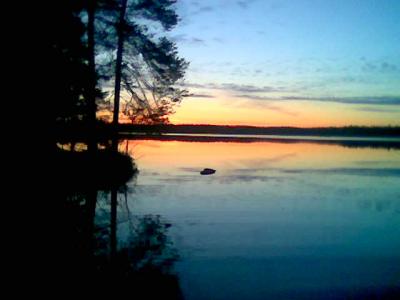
(233, 111)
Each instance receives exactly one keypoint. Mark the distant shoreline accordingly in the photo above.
(390, 139)
(351, 136)
(348, 131)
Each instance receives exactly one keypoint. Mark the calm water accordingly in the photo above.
(276, 221)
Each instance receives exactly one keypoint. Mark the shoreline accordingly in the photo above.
(359, 142)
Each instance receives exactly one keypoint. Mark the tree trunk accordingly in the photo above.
(91, 8)
(118, 66)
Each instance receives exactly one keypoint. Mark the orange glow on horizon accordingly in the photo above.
(223, 111)
(305, 114)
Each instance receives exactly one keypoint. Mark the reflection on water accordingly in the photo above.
(104, 241)
(276, 221)
(350, 142)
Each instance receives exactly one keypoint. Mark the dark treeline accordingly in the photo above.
(91, 56)
(351, 131)
(102, 55)
(106, 56)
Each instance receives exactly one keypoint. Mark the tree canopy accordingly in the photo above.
(144, 64)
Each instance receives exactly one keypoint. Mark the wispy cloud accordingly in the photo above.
(252, 92)
(205, 9)
(267, 106)
(377, 110)
(382, 67)
(281, 110)
(218, 40)
(241, 88)
(201, 96)
(388, 67)
(380, 100)
(183, 38)
(193, 85)
(244, 4)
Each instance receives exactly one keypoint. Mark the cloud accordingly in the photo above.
(281, 110)
(241, 88)
(369, 67)
(200, 10)
(251, 92)
(382, 67)
(218, 40)
(201, 96)
(387, 67)
(268, 106)
(381, 100)
(196, 41)
(246, 88)
(244, 4)
(193, 85)
(376, 109)
(183, 38)
(205, 9)
(195, 3)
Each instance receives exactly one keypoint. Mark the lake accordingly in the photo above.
(278, 220)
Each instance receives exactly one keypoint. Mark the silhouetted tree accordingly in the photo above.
(118, 65)
(120, 40)
(147, 65)
(66, 77)
(91, 94)
(70, 75)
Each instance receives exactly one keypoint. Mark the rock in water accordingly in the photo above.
(207, 171)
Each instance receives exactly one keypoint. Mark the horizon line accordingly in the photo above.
(260, 126)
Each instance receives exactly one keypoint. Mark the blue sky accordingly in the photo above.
(342, 55)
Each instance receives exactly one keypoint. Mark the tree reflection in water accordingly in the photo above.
(142, 261)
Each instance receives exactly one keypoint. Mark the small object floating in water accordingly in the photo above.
(207, 171)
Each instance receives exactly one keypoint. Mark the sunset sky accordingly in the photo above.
(290, 62)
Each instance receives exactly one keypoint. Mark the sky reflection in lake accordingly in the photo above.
(277, 220)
